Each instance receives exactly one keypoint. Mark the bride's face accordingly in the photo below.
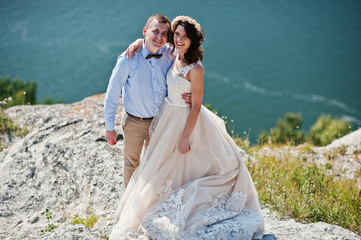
(181, 40)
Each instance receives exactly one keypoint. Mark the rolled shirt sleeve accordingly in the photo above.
(117, 80)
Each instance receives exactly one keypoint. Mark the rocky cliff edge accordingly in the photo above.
(64, 165)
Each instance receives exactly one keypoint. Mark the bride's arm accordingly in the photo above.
(196, 76)
(134, 47)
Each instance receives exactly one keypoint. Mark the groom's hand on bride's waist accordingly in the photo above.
(111, 137)
(187, 97)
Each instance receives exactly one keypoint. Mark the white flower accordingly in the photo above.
(187, 19)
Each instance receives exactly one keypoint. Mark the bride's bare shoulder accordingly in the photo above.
(197, 68)
(196, 72)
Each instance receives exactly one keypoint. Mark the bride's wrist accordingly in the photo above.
(184, 138)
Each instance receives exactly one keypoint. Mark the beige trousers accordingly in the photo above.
(136, 136)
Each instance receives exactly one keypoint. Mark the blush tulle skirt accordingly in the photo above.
(206, 193)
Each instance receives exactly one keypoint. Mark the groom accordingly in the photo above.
(142, 83)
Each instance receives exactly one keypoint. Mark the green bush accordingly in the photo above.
(17, 92)
(8, 127)
(49, 101)
(286, 131)
(326, 129)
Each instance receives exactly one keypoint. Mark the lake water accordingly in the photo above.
(262, 58)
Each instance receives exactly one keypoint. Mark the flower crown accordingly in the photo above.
(187, 19)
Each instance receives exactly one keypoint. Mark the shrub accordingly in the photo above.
(286, 131)
(8, 127)
(49, 101)
(326, 129)
(17, 92)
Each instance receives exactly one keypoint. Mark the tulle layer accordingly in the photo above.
(206, 193)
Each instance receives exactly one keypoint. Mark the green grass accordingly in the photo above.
(89, 220)
(244, 143)
(8, 127)
(306, 193)
(307, 148)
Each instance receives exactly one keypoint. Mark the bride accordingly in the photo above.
(192, 182)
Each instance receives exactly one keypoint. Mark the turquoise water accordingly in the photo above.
(262, 58)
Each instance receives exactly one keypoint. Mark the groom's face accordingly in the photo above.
(156, 35)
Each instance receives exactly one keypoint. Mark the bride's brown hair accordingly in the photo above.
(195, 50)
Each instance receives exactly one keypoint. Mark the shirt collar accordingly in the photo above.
(145, 51)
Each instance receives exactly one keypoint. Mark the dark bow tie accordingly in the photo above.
(153, 55)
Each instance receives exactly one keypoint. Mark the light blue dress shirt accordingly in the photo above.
(141, 82)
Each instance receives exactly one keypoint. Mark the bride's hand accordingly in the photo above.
(134, 48)
(184, 146)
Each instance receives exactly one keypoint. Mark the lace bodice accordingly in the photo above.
(177, 84)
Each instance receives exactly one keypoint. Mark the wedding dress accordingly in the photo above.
(206, 193)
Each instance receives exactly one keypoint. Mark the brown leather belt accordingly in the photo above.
(139, 118)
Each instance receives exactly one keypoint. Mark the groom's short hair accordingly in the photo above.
(159, 17)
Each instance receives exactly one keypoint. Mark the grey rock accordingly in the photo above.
(351, 140)
(292, 230)
(58, 166)
(65, 165)
(76, 232)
